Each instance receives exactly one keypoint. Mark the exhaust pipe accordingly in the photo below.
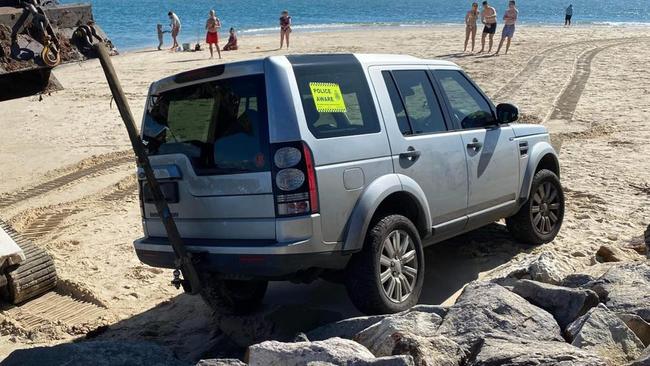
(185, 262)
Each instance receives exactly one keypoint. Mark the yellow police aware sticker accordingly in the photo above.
(328, 97)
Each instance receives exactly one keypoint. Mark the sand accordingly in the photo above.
(67, 182)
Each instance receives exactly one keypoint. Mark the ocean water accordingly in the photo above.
(131, 24)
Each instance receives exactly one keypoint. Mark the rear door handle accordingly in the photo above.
(411, 154)
(475, 145)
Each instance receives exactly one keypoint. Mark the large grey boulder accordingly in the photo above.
(563, 303)
(220, 362)
(377, 338)
(382, 361)
(602, 332)
(639, 326)
(643, 360)
(337, 351)
(429, 351)
(547, 267)
(96, 353)
(625, 289)
(346, 328)
(512, 352)
(485, 309)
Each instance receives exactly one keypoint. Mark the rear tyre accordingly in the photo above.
(387, 275)
(233, 296)
(539, 220)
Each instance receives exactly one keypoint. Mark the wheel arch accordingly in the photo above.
(543, 156)
(394, 193)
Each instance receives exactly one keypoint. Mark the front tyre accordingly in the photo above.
(539, 220)
(232, 296)
(387, 275)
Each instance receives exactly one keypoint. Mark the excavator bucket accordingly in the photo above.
(38, 35)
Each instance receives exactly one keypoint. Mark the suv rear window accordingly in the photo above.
(221, 126)
(335, 95)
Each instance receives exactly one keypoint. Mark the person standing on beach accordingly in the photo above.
(159, 29)
(285, 28)
(212, 25)
(489, 19)
(510, 19)
(470, 25)
(176, 29)
(568, 15)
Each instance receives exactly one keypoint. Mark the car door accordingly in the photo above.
(423, 148)
(492, 154)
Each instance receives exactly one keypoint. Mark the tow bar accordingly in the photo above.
(185, 262)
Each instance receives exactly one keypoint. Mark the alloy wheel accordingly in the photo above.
(398, 266)
(545, 208)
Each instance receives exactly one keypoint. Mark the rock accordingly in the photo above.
(610, 253)
(433, 309)
(639, 326)
(563, 303)
(512, 352)
(377, 338)
(346, 328)
(96, 353)
(338, 351)
(429, 351)
(625, 289)
(643, 360)
(485, 309)
(638, 245)
(382, 361)
(576, 280)
(221, 362)
(547, 267)
(281, 323)
(602, 332)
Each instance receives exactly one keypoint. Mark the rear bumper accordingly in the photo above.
(257, 259)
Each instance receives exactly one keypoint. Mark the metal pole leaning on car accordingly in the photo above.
(184, 260)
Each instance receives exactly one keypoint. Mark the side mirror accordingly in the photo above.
(507, 113)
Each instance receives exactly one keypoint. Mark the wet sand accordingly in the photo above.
(66, 178)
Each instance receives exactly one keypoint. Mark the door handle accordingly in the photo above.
(411, 154)
(475, 145)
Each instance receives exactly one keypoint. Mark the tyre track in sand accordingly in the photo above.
(567, 101)
(9, 199)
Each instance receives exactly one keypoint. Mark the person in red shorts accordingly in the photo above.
(212, 37)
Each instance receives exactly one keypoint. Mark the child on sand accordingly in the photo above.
(285, 27)
(232, 41)
(212, 25)
(510, 18)
(470, 25)
(160, 30)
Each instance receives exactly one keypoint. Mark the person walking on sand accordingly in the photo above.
(568, 14)
(176, 29)
(212, 26)
(489, 19)
(232, 41)
(510, 19)
(285, 28)
(470, 25)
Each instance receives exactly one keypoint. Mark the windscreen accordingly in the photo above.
(221, 126)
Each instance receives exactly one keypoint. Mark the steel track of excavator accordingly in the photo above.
(33, 277)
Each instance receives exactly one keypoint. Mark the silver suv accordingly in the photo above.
(336, 166)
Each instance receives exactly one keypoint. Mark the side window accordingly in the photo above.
(468, 107)
(418, 102)
(398, 106)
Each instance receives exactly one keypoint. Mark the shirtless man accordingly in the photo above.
(176, 29)
(510, 18)
(489, 19)
(212, 26)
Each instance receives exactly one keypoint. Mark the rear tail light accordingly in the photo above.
(294, 180)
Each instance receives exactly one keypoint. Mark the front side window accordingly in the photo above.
(414, 102)
(221, 126)
(335, 95)
(468, 107)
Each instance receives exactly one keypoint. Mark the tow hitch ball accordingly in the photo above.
(177, 282)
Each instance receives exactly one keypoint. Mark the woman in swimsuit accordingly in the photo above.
(285, 28)
(232, 41)
(470, 25)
